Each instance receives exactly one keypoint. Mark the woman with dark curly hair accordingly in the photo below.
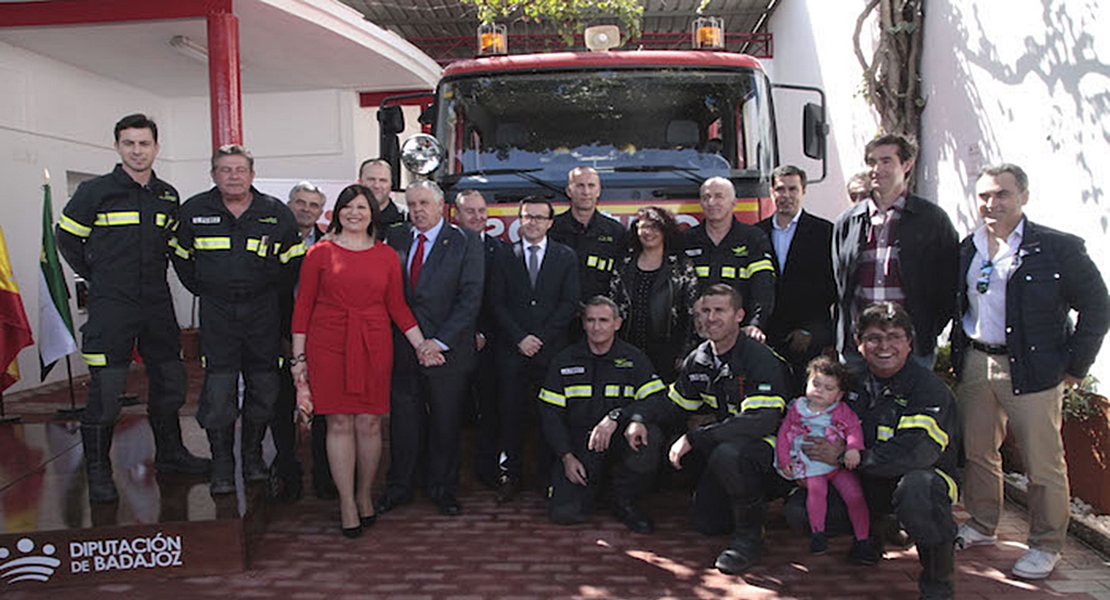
(655, 287)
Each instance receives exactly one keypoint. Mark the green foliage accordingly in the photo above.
(1077, 401)
(568, 17)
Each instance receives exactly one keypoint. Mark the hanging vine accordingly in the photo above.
(892, 76)
(568, 17)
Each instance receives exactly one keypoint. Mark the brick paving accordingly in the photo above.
(509, 552)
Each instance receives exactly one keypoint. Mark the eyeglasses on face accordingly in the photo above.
(527, 217)
(875, 339)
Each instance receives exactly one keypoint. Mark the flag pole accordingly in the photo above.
(73, 412)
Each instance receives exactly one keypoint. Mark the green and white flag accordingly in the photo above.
(55, 321)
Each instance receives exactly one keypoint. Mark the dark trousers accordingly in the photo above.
(283, 427)
(239, 337)
(629, 474)
(425, 417)
(514, 416)
(739, 473)
(113, 329)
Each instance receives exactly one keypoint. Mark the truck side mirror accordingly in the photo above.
(814, 130)
(428, 116)
(391, 122)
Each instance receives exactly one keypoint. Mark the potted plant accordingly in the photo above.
(1086, 433)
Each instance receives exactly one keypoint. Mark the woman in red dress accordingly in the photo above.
(350, 291)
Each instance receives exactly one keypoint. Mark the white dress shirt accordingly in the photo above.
(985, 319)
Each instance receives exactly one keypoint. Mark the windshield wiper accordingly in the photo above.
(525, 174)
(690, 174)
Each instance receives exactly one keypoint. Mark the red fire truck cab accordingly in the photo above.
(654, 124)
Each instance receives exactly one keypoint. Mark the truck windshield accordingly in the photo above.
(681, 123)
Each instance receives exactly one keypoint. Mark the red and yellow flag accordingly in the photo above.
(15, 331)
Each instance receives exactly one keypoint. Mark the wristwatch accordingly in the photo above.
(615, 414)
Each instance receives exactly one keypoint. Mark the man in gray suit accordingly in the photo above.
(443, 268)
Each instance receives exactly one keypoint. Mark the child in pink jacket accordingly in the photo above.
(820, 413)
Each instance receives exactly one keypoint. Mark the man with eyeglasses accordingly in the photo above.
(896, 247)
(908, 466)
(239, 250)
(1015, 350)
(534, 294)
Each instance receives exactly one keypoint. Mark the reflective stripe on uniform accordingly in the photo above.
(757, 266)
(702, 271)
(95, 360)
(578, 391)
(293, 252)
(69, 225)
(709, 399)
(178, 250)
(684, 403)
(255, 245)
(612, 391)
(649, 388)
(929, 424)
(212, 243)
(885, 433)
(953, 489)
(754, 402)
(160, 220)
(728, 272)
(772, 440)
(127, 217)
(551, 397)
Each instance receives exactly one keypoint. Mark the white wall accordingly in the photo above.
(1027, 82)
(1023, 81)
(56, 116)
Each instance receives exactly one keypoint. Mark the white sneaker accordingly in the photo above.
(1036, 564)
(967, 536)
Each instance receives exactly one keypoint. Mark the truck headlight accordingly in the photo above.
(421, 154)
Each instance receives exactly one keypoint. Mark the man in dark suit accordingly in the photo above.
(1015, 350)
(534, 296)
(307, 203)
(481, 400)
(444, 269)
(801, 325)
(896, 247)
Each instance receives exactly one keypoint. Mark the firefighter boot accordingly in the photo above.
(97, 442)
(746, 547)
(170, 454)
(250, 452)
(222, 478)
(937, 566)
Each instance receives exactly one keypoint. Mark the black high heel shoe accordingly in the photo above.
(368, 522)
(351, 532)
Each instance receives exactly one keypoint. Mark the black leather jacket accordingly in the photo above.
(672, 296)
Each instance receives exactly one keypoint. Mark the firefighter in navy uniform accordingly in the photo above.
(742, 383)
(599, 241)
(239, 250)
(724, 250)
(115, 233)
(909, 464)
(582, 402)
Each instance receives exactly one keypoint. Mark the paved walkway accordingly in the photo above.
(499, 552)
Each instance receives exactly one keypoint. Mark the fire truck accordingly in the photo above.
(654, 124)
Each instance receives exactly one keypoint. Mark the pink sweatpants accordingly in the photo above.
(848, 485)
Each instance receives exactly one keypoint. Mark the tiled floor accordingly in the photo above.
(511, 551)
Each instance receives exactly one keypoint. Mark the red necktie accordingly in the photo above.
(417, 261)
